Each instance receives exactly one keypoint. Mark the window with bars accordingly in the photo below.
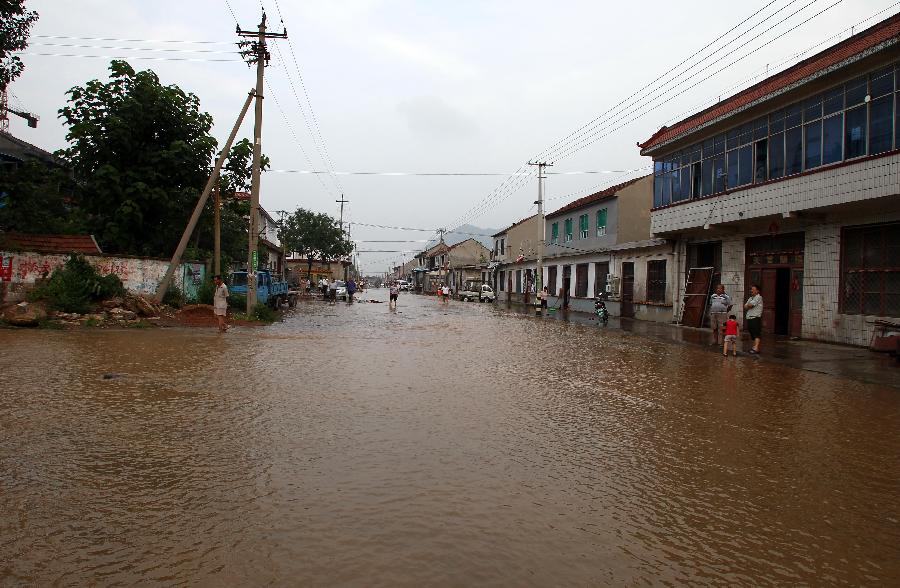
(601, 222)
(583, 226)
(554, 233)
(656, 281)
(581, 280)
(568, 230)
(870, 270)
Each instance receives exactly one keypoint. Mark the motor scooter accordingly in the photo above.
(601, 311)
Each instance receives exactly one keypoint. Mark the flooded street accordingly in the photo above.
(441, 446)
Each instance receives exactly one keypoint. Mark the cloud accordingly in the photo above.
(420, 54)
(430, 117)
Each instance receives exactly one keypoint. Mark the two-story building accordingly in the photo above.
(794, 185)
(600, 245)
(515, 257)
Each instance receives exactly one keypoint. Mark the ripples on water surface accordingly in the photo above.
(435, 446)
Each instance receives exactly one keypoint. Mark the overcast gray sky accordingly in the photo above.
(404, 86)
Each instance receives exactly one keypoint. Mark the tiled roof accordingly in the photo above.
(594, 198)
(886, 30)
(514, 225)
(50, 243)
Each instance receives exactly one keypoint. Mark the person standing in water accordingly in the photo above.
(754, 308)
(220, 303)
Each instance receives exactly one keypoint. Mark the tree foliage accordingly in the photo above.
(76, 286)
(15, 26)
(141, 152)
(35, 198)
(314, 235)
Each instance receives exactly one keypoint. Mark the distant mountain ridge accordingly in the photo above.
(464, 232)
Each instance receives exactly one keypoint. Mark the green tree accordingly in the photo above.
(141, 152)
(38, 199)
(235, 177)
(314, 235)
(15, 26)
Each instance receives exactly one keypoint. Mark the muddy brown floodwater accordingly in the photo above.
(439, 446)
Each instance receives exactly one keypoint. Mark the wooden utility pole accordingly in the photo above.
(198, 209)
(217, 234)
(542, 230)
(258, 53)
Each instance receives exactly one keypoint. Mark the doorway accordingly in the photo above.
(566, 285)
(628, 289)
(782, 301)
(775, 263)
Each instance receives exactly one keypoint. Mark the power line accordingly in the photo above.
(127, 57)
(294, 135)
(497, 196)
(486, 203)
(119, 40)
(658, 78)
(451, 174)
(120, 48)
(596, 138)
(318, 140)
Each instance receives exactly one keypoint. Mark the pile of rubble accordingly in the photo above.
(126, 311)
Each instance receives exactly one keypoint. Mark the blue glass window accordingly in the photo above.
(793, 151)
(776, 156)
(833, 139)
(881, 127)
(813, 144)
(855, 132)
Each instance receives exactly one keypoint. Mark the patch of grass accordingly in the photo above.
(264, 314)
(92, 322)
(141, 324)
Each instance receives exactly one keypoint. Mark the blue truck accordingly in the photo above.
(269, 291)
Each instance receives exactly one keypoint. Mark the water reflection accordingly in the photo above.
(435, 445)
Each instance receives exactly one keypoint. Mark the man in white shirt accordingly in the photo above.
(719, 305)
(220, 302)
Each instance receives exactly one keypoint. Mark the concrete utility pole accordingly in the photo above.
(217, 234)
(198, 209)
(542, 230)
(257, 53)
(342, 201)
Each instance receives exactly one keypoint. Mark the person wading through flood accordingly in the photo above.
(754, 308)
(332, 291)
(351, 290)
(719, 305)
(395, 293)
(220, 303)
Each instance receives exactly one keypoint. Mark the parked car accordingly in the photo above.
(477, 291)
(403, 285)
(340, 290)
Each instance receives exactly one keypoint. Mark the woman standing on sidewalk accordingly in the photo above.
(754, 308)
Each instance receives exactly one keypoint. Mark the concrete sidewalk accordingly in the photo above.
(855, 363)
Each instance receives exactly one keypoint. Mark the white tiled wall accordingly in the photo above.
(821, 285)
(873, 178)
